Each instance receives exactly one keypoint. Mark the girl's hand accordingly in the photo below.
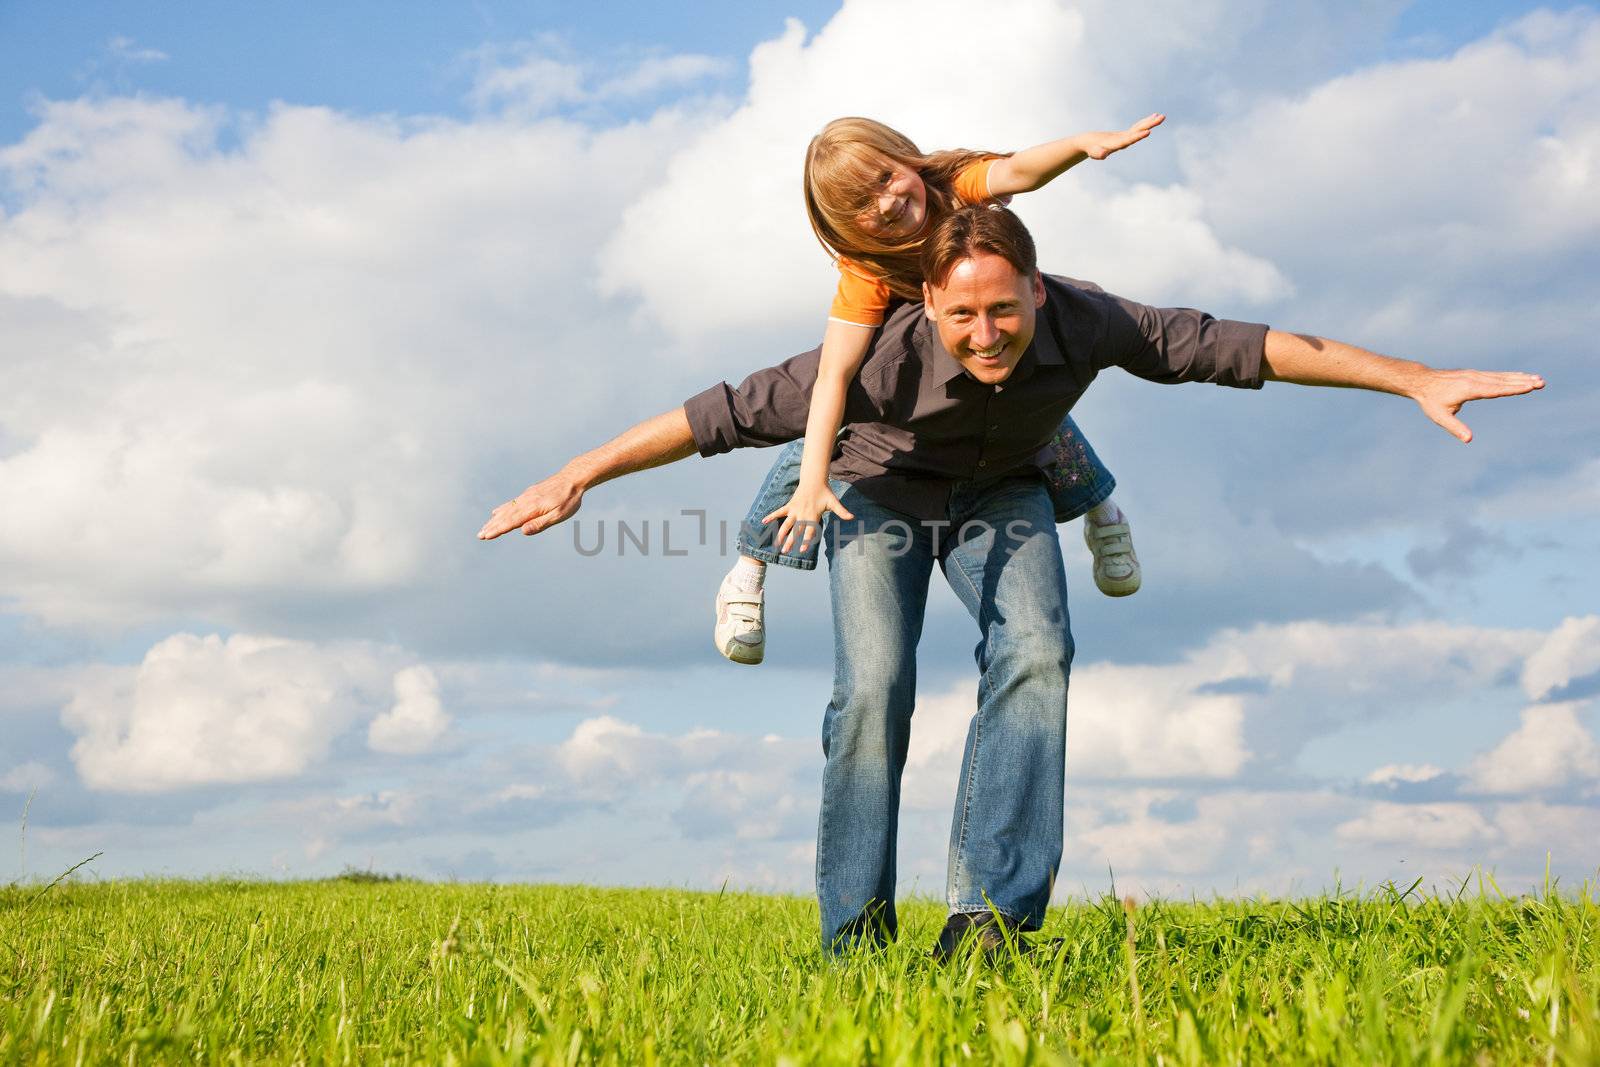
(803, 514)
(1102, 144)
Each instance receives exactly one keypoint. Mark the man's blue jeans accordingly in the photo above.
(1074, 477)
(1001, 555)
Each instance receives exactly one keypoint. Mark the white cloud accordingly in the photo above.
(388, 807)
(542, 75)
(1550, 749)
(1571, 651)
(1557, 833)
(1192, 719)
(661, 72)
(1152, 243)
(1122, 722)
(207, 710)
(536, 84)
(204, 710)
(1573, 495)
(1412, 215)
(1372, 193)
(1392, 774)
(606, 748)
(747, 801)
(1362, 660)
(1426, 827)
(938, 737)
(324, 822)
(1201, 838)
(1151, 722)
(1515, 839)
(522, 791)
(255, 358)
(725, 784)
(126, 48)
(1133, 839)
(746, 805)
(26, 777)
(417, 720)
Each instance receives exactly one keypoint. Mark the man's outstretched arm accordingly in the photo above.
(1306, 360)
(654, 442)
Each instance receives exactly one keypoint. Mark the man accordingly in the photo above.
(937, 465)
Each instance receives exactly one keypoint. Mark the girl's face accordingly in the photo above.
(900, 206)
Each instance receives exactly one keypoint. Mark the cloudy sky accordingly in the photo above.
(291, 297)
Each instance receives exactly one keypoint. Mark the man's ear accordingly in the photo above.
(1038, 290)
(927, 302)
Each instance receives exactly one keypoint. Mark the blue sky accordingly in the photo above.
(411, 58)
(293, 295)
(370, 57)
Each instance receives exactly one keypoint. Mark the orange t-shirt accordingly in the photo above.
(862, 297)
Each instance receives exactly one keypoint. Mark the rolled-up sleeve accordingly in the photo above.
(767, 408)
(1181, 345)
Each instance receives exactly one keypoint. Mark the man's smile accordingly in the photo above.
(990, 355)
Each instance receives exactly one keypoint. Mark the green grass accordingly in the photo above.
(390, 971)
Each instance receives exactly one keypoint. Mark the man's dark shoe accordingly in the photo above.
(983, 931)
(875, 927)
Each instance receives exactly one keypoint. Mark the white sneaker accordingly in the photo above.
(1116, 568)
(740, 634)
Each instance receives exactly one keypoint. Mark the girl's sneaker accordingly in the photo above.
(740, 634)
(1116, 568)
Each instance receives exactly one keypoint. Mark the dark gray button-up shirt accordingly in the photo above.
(916, 423)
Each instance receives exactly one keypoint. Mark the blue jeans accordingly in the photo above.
(1076, 478)
(1002, 557)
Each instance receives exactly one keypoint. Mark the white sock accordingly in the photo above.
(748, 575)
(1106, 513)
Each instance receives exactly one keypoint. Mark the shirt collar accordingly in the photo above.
(939, 364)
(1048, 347)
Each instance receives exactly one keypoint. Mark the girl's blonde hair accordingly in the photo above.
(844, 166)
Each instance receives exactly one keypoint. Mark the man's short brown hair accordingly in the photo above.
(973, 229)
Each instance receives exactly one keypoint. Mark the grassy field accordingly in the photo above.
(368, 972)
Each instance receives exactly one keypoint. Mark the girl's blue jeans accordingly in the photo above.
(1075, 479)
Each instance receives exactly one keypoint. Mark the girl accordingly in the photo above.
(871, 195)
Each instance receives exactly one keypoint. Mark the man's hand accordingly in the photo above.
(1441, 393)
(666, 438)
(538, 508)
(1102, 143)
(1308, 360)
(803, 513)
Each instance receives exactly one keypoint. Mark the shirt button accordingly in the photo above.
(983, 463)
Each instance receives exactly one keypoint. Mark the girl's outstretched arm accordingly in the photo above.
(844, 346)
(1035, 167)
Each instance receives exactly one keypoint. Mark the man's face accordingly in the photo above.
(985, 314)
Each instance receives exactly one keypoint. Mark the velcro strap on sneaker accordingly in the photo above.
(1116, 529)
